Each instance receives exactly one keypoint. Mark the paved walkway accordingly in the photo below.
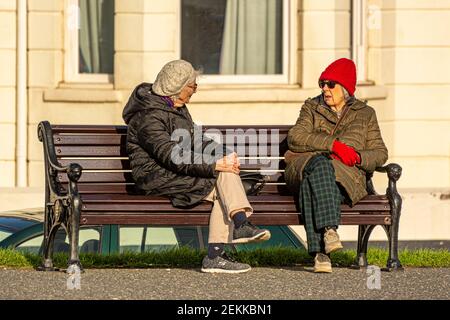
(259, 284)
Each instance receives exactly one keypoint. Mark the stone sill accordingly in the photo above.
(105, 93)
(83, 93)
(274, 93)
(21, 198)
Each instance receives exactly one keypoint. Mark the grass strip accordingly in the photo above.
(185, 257)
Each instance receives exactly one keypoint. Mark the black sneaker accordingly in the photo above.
(223, 264)
(247, 232)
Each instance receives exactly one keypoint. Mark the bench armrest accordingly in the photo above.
(52, 166)
(393, 171)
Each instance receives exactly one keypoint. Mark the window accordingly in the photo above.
(89, 41)
(236, 41)
(141, 239)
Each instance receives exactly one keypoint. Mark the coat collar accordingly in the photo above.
(321, 107)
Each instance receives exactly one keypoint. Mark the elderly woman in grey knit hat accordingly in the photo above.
(155, 114)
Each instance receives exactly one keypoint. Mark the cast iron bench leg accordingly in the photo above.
(50, 229)
(364, 232)
(393, 262)
(74, 232)
(394, 172)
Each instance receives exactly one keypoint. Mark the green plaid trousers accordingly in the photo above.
(320, 201)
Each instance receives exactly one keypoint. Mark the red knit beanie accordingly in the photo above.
(343, 71)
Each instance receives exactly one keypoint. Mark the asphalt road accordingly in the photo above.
(259, 284)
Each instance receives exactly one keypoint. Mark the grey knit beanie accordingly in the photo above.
(173, 77)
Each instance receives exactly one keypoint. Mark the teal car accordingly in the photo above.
(23, 230)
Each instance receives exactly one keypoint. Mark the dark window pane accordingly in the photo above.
(202, 32)
(96, 36)
(233, 36)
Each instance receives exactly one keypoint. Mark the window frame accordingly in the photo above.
(359, 43)
(283, 78)
(71, 54)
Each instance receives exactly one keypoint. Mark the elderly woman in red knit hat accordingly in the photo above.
(334, 142)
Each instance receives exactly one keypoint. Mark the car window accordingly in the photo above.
(89, 242)
(32, 245)
(140, 239)
(4, 234)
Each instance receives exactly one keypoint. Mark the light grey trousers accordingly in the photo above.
(228, 197)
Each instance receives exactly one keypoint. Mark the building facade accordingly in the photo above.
(77, 61)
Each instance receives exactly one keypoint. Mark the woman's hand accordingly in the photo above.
(229, 163)
(345, 154)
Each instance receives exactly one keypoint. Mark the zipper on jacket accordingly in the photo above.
(344, 113)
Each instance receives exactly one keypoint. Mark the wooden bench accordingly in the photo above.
(88, 182)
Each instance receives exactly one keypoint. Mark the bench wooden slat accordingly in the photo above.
(202, 219)
(88, 128)
(282, 130)
(381, 199)
(99, 164)
(124, 188)
(167, 207)
(262, 203)
(120, 151)
(88, 189)
(124, 164)
(100, 177)
(181, 219)
(89, 139)
(89, 176)
(258, 207)
(118, 139)
(89, 151)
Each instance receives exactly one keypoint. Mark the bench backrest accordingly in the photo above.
(101, 151)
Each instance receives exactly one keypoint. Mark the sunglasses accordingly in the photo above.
(330, 84)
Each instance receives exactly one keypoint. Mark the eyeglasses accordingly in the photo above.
(330, 84)
(193, 87)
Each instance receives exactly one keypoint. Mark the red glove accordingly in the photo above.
(345, 154)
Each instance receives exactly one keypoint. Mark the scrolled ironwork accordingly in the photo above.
(394, 172)
(62, 207)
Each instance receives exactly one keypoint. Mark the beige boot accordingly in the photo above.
(332, 242)
(322, 263)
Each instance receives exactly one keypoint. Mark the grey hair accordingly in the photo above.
(346, 94)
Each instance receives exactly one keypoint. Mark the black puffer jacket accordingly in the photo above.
(151, 123)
